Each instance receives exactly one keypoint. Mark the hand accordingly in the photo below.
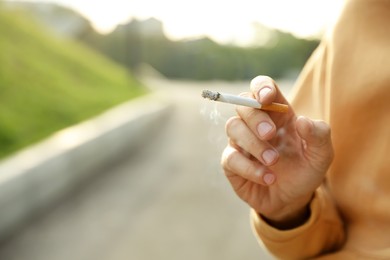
(275, 161)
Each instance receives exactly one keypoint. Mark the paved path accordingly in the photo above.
(169, 200)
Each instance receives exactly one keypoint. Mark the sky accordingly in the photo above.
(226, 21)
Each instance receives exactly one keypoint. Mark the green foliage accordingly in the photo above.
(48, 83)
(202, 59)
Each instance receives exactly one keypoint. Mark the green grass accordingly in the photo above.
(48, 83)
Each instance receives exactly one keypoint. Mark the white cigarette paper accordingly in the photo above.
(243, 101)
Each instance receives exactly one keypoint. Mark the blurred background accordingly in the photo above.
(65, 62)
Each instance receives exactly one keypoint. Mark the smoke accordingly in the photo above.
(213, 115)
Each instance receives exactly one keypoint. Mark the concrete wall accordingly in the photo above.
(37, 177)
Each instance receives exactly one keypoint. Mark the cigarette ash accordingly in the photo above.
(214, 115)
(210, 94)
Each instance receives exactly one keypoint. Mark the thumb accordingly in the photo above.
(317, 142)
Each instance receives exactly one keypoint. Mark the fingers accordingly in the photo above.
(236, 164)
(266, 91)
(239, 133)
(249, 154)
(316, 135)
(257, 120)
(263, 124)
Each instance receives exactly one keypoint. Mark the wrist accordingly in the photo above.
(290, 217)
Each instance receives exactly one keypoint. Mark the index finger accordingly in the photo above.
(266, 90)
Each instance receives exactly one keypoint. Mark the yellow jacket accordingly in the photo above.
(346, 82)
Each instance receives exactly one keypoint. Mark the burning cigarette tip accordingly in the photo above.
(210, 95)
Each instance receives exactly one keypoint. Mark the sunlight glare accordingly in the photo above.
(224, 21)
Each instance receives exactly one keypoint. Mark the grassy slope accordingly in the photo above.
(47, 83)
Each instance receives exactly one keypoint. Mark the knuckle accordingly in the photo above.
(228, 155)
(235, 162)
(259, 81)
(324, 126)
(232, 124)
(231, 160)
(254, 147)
(325, 132)
(253, 115)
(250, 170)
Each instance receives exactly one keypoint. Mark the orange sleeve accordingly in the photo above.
(323, 232)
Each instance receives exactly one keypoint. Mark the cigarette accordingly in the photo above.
(243, 101)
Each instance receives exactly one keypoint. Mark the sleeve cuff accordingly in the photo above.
(268, 232)
(323, 231)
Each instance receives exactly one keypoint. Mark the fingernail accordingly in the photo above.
(263, 93)
(269, 178)
(269, 156)
(264, 128)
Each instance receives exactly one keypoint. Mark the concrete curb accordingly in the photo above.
(38, 176)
